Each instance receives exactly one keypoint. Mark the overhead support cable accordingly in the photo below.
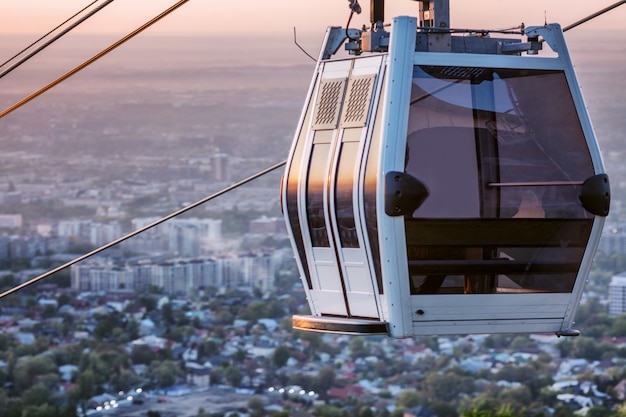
(143, 229)
(92, 59)
(593, 16)
(55, 38)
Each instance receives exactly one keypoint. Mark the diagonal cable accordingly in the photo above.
(92, 59)
(143, 229)
(72, 26)
(593, 16)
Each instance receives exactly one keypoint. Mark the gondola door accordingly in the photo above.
(338, 263)
(360, 286)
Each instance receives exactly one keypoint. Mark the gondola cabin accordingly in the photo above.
(444, 184)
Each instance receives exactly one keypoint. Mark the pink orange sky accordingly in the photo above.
(280, 16)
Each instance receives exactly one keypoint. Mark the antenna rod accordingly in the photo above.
(593, 16)
(141, 230)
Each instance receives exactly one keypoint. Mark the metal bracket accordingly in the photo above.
(336, 37)
(375, 41)
(403, 193)
(533, 46)
(546, 32)
(353, 46)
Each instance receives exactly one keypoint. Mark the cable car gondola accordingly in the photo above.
(441, 184)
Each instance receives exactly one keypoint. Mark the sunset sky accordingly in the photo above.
(280, 16)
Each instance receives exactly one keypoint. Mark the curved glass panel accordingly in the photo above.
(293, 181)
(503, 155)
(315, 195)
(369, 197)
(344, 190)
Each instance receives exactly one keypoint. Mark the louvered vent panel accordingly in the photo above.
(328, 104)
(359, 97)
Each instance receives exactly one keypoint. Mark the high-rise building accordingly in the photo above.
(617, 295)
(613, 242)
(220, 167)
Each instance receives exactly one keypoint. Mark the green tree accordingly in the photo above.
(563, 410)
(48, 311)
(28, 371)
(280, 356)
(447, 388)
(254, 311)
(149, 302)
(132, 329)
(208, 348)
(217, 375)
(516, 398)
(233, 376)
(366, 412)
(164, 374)
(329, 411)
(125, 380)
(43, 410)
(167, 312)
(105, 325)
(503, 411)
(358, 347)
(587, 348)
(408, 398)
(599, 411)
(240, 355)
(85, 385)
(521, 342)
(142, 354)
(325, 379)
(618, 327)
(527, 375)
(36, 395)
(256, 406)
(275, 309)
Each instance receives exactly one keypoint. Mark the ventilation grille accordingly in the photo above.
(463, 73)
(328, 104)
(358, 102)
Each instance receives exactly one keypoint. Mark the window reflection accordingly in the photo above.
(503, 155)
(343, 196)
(315, 196)
(293, 182)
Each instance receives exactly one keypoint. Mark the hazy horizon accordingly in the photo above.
(38, 16)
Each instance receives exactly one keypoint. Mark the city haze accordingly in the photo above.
(144, 131)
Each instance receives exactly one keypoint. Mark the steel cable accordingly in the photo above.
(143, 229)
(53, 39)
(92, 59)
(593, 16)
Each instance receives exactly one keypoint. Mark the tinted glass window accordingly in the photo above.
(502, 153)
